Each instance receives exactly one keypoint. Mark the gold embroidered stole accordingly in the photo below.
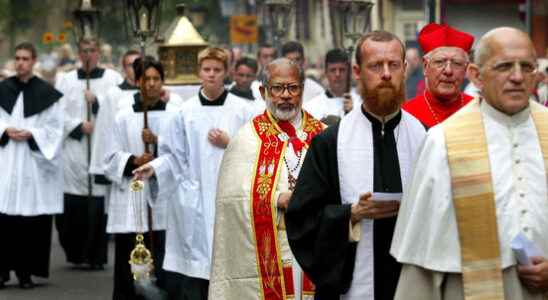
(275, 278)
(474, 201)
(540, 117)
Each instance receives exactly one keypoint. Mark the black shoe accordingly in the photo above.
(26, 283)
(2, 284)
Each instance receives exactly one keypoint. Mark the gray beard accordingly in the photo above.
(282, 115)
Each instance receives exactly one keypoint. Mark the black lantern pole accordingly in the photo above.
(350, 20)
(143, 18)
(278, 13)
(86, 17)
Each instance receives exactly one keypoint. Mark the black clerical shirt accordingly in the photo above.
(387, 179)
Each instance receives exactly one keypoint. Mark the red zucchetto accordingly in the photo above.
(434, 35)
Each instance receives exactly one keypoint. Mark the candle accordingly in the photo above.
(144, 22)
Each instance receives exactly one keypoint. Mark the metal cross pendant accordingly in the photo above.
(292, 182)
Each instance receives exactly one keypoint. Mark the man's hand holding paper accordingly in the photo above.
(375, 206)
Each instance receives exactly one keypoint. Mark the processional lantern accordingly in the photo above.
(87, 20)
(278, 14)
(179, 52)
(350, 20)
(143, 19)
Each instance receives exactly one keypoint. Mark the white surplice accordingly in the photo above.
(188, 167)
(311, 89)
(124, 204)
(322, 106)
(355, 152)
(255, 90)
(109, 105)
(426, 233)
(75, 158)
(31, 181)
(258, 105)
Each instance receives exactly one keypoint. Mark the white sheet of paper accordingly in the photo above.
(386, 197)
(524, 249)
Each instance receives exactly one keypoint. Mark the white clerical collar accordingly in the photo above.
(386, 118)
(507, 120)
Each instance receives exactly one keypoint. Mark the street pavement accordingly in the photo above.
(65, 282)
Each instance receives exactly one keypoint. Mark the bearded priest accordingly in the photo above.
(343, 211)
(251, 256)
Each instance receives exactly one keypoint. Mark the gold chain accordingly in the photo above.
(436, 119)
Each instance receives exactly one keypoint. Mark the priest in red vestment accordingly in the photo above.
(444, 64)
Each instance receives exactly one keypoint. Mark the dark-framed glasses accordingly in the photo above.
(278, 89)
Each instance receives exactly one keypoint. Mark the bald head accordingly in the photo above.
(498, 38)
(505, 69)
(281, 63)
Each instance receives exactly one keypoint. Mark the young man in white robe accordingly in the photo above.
(480, 182)
(257, 175)
(82, 225)
(128, 210)
(294, 51)
(337, 100)
(338, 226)
(31, 135)
(245, 72)
(190, 151)
(110, 103)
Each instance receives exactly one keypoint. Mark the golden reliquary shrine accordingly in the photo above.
(179, 53)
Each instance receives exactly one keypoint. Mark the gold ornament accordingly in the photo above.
(140, 260)
(136, 185)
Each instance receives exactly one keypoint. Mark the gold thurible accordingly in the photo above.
(140, 258)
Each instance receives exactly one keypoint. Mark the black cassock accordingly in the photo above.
(318, 223)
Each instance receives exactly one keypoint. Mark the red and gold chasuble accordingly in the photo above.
(276, 279)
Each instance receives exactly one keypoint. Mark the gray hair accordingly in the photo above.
(429, 55)
(483, 50)
(277, 63)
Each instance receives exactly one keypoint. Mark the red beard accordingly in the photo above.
(384, 99)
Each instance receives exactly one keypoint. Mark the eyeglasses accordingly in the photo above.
(278, 89)
(507, 67)
(441, 63)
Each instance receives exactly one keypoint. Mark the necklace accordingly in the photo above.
(292, 180)
(436, 119)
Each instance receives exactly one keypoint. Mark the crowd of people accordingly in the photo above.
(383, 180)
